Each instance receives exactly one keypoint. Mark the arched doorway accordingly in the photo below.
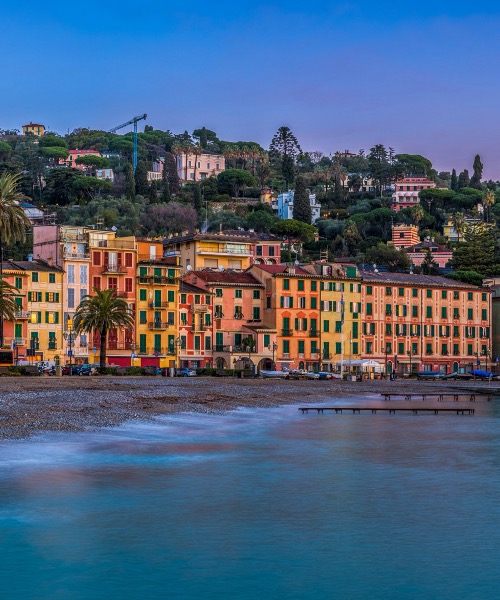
(389, 367)
(301, 364)
(454, 368)
(220, 363)
(266, 364)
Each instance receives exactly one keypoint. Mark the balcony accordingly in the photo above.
(326, 356)
(285, 356)
(157, 325)
(52, 345)
(113, 270)
(314, 333)
(158, 305)
(22, 314)
(18, 341)
(76, 255)
(286, 332)
(314, 356)
(124, 294)
(200, 308)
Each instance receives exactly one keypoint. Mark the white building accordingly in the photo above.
(285, 206)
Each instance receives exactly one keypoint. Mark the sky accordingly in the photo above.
(419, 77)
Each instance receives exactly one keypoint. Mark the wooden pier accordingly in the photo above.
(471, 397)
(375, 410)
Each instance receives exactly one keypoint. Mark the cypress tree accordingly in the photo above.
(197, 199)
(170, 173)
(141, 179)
(454, 181)
(301, 205)
(165, 191)
(475, 181)
(153, 192)
(463, 179)
(129, 181)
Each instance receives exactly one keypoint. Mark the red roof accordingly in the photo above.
(227, 277)
(83, 151)
(283, 269)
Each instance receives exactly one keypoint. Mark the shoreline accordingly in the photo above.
(32, 405)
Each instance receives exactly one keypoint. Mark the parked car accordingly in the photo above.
(86, 370)
(324, 375)
(74, 370)
(185, 372)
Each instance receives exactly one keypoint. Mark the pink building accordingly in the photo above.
(441, 254)
(407, 190)
(74, 154)
(404, 236)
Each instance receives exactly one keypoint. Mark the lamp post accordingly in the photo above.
(275, 347)
(386, 351)
(409, 352)
(68, 335)
(178, 344)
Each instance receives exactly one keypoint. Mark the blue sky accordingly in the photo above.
(420, 77)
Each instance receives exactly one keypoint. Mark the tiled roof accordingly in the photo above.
(413, 279)
(28, 265)
(276, 269)
(424, 245)
(188, 287)
(228, 278)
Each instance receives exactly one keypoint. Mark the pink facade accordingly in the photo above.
(74, 154)
(407, 190)
(441, 254)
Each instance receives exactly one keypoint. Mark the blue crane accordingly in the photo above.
(134, 122)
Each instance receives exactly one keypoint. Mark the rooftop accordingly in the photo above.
(413, 279)
(227, 277)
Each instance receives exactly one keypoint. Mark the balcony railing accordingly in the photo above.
(314, 356)
(22, 314)
(77, 255)
(286, 332)
(314, 333)
(113, 270)
(157, 325)
(124, 294)
(158, 305)
(200, 308)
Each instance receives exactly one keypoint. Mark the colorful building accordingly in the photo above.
(157, 307)
(404, 236)
(16, 332)
(33, 129)
(407, 190)
(197, 167)
(440, 254)
(424, 323)
(70, 161)
(195, 326)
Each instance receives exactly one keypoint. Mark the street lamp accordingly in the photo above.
(409, 352)
(386, 351)
(275, 347)
(68, 335)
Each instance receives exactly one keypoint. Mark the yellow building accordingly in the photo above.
(33, 129)
(45, 323)
(340, 312)
(157, 306)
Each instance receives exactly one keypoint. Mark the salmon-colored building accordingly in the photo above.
(194, 346)
(407, 189)
(70, 161)
(424, 323)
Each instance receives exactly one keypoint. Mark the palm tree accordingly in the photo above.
(8, 306)
(459, 224)
(488, 201)
(13, 223)
(101, 313)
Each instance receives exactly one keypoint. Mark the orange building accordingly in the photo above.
(424, 323)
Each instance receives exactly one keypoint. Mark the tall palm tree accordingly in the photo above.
(488, 201)
(459, 224)
(13, 223)
(8, 306)
(101, 313)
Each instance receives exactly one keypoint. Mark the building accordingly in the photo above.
(197, 167)
(424, 323)
(441, 254)
(239, 334)
(195, 325)
(225, 250)
(284, 205)
(16, 332)
(404, 236)
(105, 174)
(157, 307)
(407, 190)
(292, 309)
(33, 129)
(70, 161)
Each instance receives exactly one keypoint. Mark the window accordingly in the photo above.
(34, 277)
(428, 293)
(444, 312)
(143, 318)
(428, 348)
(470, 313)
(444, 294)
(300, 285)
(51, 296)
(388, 329)
(355, 348)
(286, 284)
(238, 293)
(301, 347)
(218, 293)
(83, 273)
(369, 308)
(128, 284)
(469, 296)
(18, 283)
(256, 294)
(414, 311)
(428, 312)
(256, 313)
(258, 250)
(484, 314)
(369, 290)
(271, 250)
(71, 298)
(143, 295)
(388, 309)
(97, 283)
(113, 283)
(484, 297)
(355, 330)
(286, 347)
(388, 291)
(414, 293)
(456, 313)
(456, 351)
(128, 259)
(338, 347)
(183, 298)
(96, 259)
(401, 348)
(313, 286)
(171, 295)
(401, 291)
(369, 347)
(207, 342)
(314, 303)
(456, 295)
(456, 331)
(469, 349)
(326, 326)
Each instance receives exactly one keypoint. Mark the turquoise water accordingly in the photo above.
(265, 504)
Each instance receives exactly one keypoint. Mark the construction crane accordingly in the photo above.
(134, 122)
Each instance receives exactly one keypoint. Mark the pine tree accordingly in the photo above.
(301, 205)
(454, 181)
(165, 191)
(429, 266)
(475, 181)
(282, 152)
(129, 181)
(153, 192)
(141, 179)
(463, 179)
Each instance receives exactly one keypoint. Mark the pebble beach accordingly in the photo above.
(32, 405)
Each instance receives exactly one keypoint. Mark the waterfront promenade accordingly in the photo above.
(31, 405)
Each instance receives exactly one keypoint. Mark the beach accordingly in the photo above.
(31, 405)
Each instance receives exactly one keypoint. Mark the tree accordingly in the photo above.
(153, 192)
(197, 199)
(351, 236)
(477, 253)
(92, 162)
(283, 150)
(414, 164)
(475, 180)
(488, 201)
(261, 221)
(55, 153)
(8, 306)
(141, 179)
(454, 181)
(101, 313)
(389, 256)
(301, 204)
(463, 179)
(292, 229)
(5, 150)
(13, 225)
(429, 266)
(170, 174)
(459, 224)
(129, 181)
(231, 181)
(163, 219)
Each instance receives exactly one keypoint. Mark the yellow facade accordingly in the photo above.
(44, 289)
(156, 306)
(34, 129)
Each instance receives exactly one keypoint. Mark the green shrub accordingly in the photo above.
(135, 371)
(206, 371)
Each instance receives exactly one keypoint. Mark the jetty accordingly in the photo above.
(441, 397)
(375, 409)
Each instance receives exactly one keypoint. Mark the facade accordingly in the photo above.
(239, 334)
(407, 189)
(441, 254)
(284, 205)
(105, 174)
(16, 332)
(195, 326)
(292, 310)
(33, 129)
(193, 167)
(404, 236)
(225, 250)
(157, 307)
(70, 161)
(424, 323)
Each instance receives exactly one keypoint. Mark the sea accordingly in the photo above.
(264, 504)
